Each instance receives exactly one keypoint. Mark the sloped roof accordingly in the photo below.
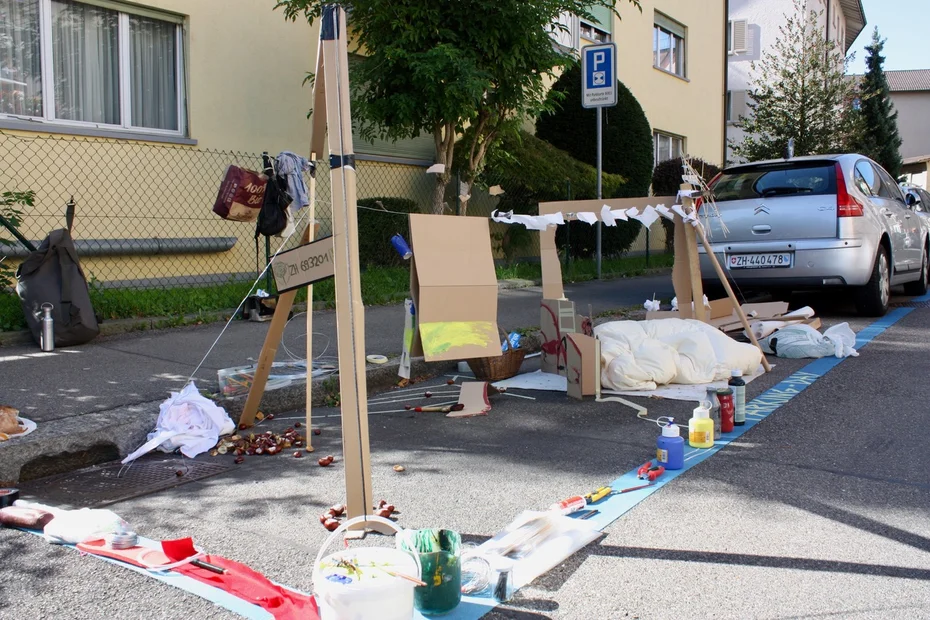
(917, 79)
(855, 20)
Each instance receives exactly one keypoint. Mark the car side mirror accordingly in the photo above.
(911, 200)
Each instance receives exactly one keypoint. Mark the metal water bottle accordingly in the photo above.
(47, 338)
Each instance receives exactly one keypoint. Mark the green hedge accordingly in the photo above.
(666, 179)
(627, 137)
(532, 171)
(376, 229)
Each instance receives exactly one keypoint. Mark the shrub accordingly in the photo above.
(376, 229)
(627, 137)
(532, 171)
(666, 179)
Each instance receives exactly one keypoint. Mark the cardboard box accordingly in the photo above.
(582, 365)
(556, 318)
(454, 288)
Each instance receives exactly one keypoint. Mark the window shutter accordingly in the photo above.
(737, 105)
(738, 36)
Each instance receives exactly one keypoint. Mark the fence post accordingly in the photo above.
(568, 228)
(648, 234)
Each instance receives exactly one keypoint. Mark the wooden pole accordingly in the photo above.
(309, 393)
(726, 286)
(270, 349)
(350, 313)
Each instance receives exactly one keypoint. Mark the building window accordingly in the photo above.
(668, 46)
(667, 146)
(736, 36)
(736, 105)
(591, 33)
(97, 63)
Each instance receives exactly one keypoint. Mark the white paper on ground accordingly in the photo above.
(587, 217)
(546, 382)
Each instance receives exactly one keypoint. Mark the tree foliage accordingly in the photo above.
(12, 206)
(441, 67)
(666, 181)
(876, 118)
(627, 137)
(798, 90)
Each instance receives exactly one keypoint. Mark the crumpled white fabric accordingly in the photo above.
(188, 421)
(70, 527)
(641, 355)
(675, 303)
(803, 341)
(652, 305)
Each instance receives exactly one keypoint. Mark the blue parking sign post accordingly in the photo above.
(599, 90)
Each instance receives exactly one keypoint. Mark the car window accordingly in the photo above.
(924, 199)
(866, 179)
(888, 189)
(769, 181)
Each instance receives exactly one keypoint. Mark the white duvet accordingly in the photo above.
(641, 355)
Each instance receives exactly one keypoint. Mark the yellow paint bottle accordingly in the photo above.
(701, 428)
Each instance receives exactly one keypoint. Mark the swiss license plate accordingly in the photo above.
(759, 261)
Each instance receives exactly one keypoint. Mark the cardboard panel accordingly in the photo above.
(556, 318)
(454, 288)
(582, 365)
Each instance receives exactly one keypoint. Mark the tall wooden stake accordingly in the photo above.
(350, 313)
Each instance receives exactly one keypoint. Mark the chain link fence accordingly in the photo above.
(143, 211)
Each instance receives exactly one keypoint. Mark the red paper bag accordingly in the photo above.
(241, 195)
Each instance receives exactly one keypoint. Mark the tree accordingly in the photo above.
(878, 121)
(444, 67)
(799, 91)
(666, 181)
(627, 137)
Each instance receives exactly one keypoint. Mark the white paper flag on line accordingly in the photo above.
(687, 193)
(436, 169)
(679, 210)
(632, 212)
(607, 217)
(555, 219)
(532, 222)
(664, 212)
(502, 217)
(691, 178)
(620, 214)
(587, 217)
(648, 217)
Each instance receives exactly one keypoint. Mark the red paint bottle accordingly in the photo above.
(727, 409)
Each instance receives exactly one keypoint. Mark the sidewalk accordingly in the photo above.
(97, 401)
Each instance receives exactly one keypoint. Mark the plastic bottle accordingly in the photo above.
(570, 505)
(701, 428)
(727, 409)
(670, 448)
(739, 397)
(711, 397)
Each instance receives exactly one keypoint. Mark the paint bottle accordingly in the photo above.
(739, 397)
(727, 409)
(670, 448)
(701, 428)
(570, 505)
(711, 397)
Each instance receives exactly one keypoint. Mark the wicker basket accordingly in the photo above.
(498, 368)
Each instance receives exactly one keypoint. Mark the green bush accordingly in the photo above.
(375, 230)
(666, 179)
(627, 137)
(532, 171)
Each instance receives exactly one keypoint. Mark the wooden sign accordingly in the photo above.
(304, 265)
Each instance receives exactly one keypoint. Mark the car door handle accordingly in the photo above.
(887, 213)
(761, 229)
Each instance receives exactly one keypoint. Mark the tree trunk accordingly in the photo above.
(439, 193)
(444, 141)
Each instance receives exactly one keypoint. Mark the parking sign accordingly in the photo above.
(599, 71)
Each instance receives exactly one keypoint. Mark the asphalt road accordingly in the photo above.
(820, 511)
(145, 366)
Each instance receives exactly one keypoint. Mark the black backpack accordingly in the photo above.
(52, 274)
(272, 218)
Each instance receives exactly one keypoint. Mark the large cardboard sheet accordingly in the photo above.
(454, 287)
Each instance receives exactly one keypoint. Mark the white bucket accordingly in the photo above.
(370, 593)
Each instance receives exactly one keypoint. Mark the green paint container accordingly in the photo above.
(440, 553)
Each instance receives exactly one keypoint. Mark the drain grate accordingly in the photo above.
(911, 304)
(102, 485)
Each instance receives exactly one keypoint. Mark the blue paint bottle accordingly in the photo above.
(670, 448)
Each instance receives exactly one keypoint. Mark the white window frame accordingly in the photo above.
(672, 137)
(675, 29)
(125, 78)
(594, 31)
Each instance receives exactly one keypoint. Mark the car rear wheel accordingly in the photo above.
(920, 286)
(873, 298)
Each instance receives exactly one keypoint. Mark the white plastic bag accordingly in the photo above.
(188, 421)
(803, 341)
(77, 526)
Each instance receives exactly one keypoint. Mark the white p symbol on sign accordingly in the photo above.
(599, 59)
(598, 78)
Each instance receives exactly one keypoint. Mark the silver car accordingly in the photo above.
(815, 222)
(917, 198)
